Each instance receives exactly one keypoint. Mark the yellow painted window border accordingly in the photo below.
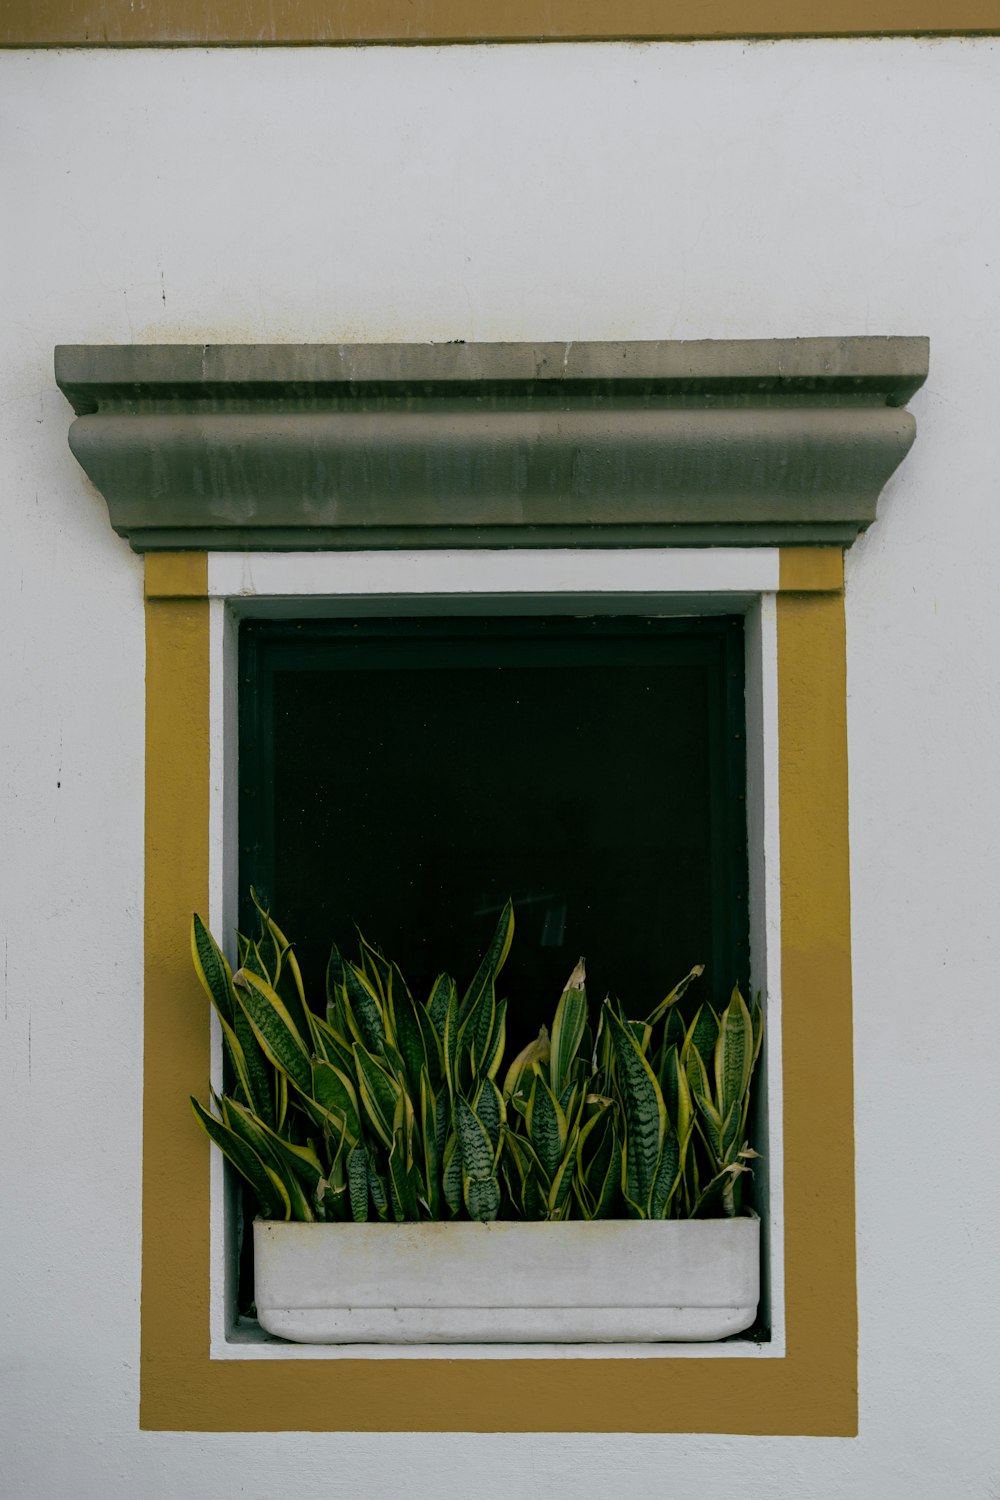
(811, 1390)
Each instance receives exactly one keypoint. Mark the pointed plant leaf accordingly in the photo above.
(334, 1090)
(537, 1051)
(482, 1198)
(377, 1091)
(704, 1032)
(474, 1141)
(567, 1028)
(493, 1055)
(259, 1084)
(733, 1054)
(644, 1110)
(675, 994)
(288, 1156)
(492, 961)
(491, 1111)
(271, 1192)
(274, 1029)
(406, 1028)
(667, 1179)
(357, 1183)
(362, 1010)
(451, 1177)
(212, 969)
(437, 1003)
(546, 1126)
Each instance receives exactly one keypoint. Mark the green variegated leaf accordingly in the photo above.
(449, 1044)
(334, 976)
(631, 1188)
(438, 1001)
(212, 969)
(490, 1108)
(537, 1051)
(757, 1016)
(272, 1194)
(559, 1193)
(720, 1185)
(546, 1124)
(362, 1011)
(674, 1030)
(237, 1057)
(357, 1182)
(291, 991)
(431, 1154)
(474, 1031)
(642, 1034)
(301, 1161)
(683, 1119)
(378, 1093)
(703, 1032)
(267, 950)
(596, 1154)
(733, 1054)
(667, 1179)
(567, 1029)
(378, 1191)
(492, 961)
(334, 1090)
(406, 1029)
(493, 1056)
(482, 1198)
(642, 1103)
(675, 994)
(401, 1168)
(332, 1046)
(258, 1083)
(451, 1177)
(477, 1149)
(668, 1082)
(375, 967)
(274, 1029)
(710, 1126)
(607, 1190)
(442, 1120)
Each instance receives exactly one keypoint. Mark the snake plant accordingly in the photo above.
(388, 1107)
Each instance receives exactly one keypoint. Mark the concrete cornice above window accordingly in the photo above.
(316, 446)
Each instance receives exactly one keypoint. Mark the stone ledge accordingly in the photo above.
(277, 447)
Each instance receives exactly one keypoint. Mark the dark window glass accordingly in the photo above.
(409, 775)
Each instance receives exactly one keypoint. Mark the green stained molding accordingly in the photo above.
(311, 446)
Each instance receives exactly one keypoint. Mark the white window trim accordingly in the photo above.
(680, 581)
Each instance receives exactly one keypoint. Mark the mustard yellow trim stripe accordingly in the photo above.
(813, 1390)
(119, 23)
(176, 575)
(808, 570)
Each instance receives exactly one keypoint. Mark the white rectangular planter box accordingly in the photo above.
(618, 1280)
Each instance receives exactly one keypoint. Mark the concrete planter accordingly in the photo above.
(615, 1280)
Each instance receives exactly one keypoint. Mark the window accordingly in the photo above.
(717, 477)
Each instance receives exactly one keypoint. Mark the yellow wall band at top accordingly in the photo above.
(811, 1390)
(118, 23)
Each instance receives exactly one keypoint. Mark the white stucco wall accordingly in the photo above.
(506, 193)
